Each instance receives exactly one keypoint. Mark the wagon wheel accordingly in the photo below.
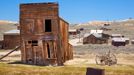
(100, 60)
(112, 59)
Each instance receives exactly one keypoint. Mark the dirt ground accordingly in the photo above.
(85, 54)
(15, 56)
(81, 57)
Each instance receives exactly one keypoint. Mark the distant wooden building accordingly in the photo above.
(72, 32)
(94, 39)
(106, 24)
(1, 44)
(120, 41)
(127, 40)
(132, 42)
(11, 39)
(44, 35)
(105, 29)
(117, 35)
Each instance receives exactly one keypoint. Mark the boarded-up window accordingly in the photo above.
(29, 25)
(48, 25)
(33, 42)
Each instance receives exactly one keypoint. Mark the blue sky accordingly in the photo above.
(76, 11)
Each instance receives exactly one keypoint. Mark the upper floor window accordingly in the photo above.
(48, 25)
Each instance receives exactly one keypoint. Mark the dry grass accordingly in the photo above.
(13, 69)
(20, 69)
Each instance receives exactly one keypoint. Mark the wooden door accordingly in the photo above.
(37, 51)
(50, 49)
(29, 52)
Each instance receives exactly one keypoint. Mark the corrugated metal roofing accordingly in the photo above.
(120, 39)
(86, 34)
(96, 31)
(13, 32)
(72, 30)
(95, 34)
(114, 35)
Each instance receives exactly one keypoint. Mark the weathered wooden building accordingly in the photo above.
(44, 35)
(11, 39)
(94, 39)
(119, 41)
(132, 42)
(72, 32)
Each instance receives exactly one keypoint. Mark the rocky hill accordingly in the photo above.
(125, 27)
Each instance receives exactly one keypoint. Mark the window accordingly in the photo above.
(33, 42)
(29, 42)
(48, 25)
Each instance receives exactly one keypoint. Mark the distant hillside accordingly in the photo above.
(125, 27)
(6, 26)
(6, 22)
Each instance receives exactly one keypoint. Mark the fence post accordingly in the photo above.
(94, 71)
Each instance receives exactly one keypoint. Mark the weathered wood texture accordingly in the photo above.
(117, 43)
(11, 41)
(94, 40)
(44, 35)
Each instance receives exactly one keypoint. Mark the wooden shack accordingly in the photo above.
(11, 39)
(94, 39)
(72, 32)
(132, 42)
(44, 35)
(118, 42)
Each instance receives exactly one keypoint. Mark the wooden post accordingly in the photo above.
(94, 71)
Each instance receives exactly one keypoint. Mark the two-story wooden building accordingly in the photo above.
(44, 35)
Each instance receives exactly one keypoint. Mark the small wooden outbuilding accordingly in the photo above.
(94, 39)
(132, 42)
(72, 32)
(11, 39)
(119, 41)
